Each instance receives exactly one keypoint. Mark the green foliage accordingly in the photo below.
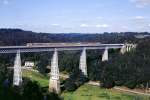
(119, 83)
(132, 68)
(70, 85)
(75, 80)
(130, 84)
(89, 92)
(108, 83)
(69, 60)
(94, 64)
(36, 76)
(53, 96)
(30, 90)
(21, 37)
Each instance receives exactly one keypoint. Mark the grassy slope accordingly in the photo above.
(85, 92)
(35, 76)
(88, 92)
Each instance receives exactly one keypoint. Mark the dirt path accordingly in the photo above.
(131, 91)
(121, 89)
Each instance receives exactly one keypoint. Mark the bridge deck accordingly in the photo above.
(40, 47)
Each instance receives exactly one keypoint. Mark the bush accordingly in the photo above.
(28, 91)
(32, 91)
(107, 83)
(75, 80)
(119, 83)
(70, 85)
(131, 84)
(53, 96)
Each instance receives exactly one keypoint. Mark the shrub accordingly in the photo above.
(119, 83)
(70, 85)
(107, 83)
(131, 84)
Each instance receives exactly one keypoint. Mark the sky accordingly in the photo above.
(79, 16)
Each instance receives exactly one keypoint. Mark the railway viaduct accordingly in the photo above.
(54, 81)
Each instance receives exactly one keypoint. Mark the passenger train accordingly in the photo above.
(62, 44)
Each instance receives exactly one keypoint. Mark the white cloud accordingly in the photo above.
(149, 25)
(141, 3)
(55, 24)
(138, 18)
(84, 25)
(102, 25)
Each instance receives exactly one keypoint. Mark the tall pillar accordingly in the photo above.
(123, 49)
(17, 78)
(54, 82)
(83, 64)
(105, 55)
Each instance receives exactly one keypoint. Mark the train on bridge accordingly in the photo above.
(63, 44)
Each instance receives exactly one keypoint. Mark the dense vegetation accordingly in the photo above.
(20, 37)
(88, 92)
(131, 69)
(30, 90)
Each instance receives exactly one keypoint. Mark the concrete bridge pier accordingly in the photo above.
(105, 55)
(123, 49)
(127, 48)
(83, 63)
(54, 82)
(17, 78)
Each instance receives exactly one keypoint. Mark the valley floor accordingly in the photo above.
(87, 91)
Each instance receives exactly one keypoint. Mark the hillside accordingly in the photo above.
(85, 92)
(21, 37)
(130, 70)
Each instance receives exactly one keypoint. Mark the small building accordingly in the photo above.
(29, 64)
